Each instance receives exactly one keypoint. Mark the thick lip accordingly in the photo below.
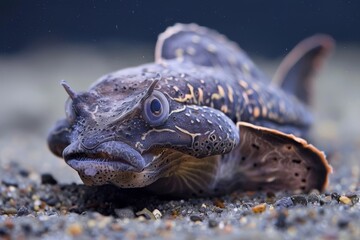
(114, 155)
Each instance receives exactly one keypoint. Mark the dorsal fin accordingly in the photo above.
(297, 70)
(202, 46)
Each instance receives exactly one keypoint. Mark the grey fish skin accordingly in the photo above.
(202, 120)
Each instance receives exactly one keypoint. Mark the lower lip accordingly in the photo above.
(91, 167)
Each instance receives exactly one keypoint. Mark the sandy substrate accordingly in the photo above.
(34, 204)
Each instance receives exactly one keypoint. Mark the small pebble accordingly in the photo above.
(4, 232)
(169, 225)
(345, 200)
(9, 224)
(213, 223)
(321, 211)
(116, 227)
(313, 198)
(343, 223)
(26, 228)
(10, 211)
(354, 198)
(51, 201)
(157, 214)
(325, 200)
(284, 202)
(146, 213)
(219, 203)
(281, 220)
(259, 208)
(75, 229)
(196, 218)
(202, 209)
(124, 213)
(218, 210)
(299, 200)
(24, 173)
(47, 178)
(335, 196)
(9, 181)
(22, 211)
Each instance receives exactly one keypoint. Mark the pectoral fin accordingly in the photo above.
(271, 160)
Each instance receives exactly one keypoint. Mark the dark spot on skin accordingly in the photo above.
(243, 158)
(308, 168)
(297, 161)
(255, 146)
(255, 165)
(289, 147)
(296, 174)
(303, 188)
(303, 180)
(275, 159)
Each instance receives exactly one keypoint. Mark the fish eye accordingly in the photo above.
(70, 111)
(156, 109)
(155, 106)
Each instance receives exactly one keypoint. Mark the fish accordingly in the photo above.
(201, 120)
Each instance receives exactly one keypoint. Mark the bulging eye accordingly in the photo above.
(70, 111)
(156, 109)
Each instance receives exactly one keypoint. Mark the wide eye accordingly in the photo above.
(70, 111)
(156, 109)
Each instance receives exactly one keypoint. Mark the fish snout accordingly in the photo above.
(109, 156)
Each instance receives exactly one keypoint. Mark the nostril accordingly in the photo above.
(90, 143)
(93, 142)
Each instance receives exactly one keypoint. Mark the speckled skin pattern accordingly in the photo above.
(216, 124)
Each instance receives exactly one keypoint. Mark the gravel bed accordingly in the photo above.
(36, 206)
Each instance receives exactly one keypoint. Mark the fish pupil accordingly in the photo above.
(155, 106)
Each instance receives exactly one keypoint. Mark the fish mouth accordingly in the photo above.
(111, 156)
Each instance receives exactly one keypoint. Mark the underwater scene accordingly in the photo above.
(179, 119)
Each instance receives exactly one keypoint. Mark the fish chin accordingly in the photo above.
(94, 172)
(100, 171)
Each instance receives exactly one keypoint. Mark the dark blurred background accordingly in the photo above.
(43, 42)
(263, 27)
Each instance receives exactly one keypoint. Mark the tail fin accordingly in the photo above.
(297, 70)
